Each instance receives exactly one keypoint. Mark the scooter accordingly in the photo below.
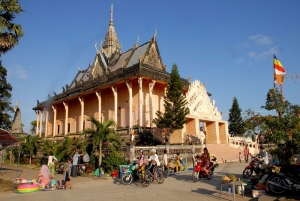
(198, 171)
(281, 182)
(254, 167)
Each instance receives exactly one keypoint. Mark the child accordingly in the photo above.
(240, 157)
(67, 173)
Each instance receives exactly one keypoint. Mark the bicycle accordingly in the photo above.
(157, 172)
(127, 177)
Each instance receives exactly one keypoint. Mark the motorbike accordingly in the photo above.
(128, 178)
(254, 167)
(81, 169)
(59, 167)
(215, 161)
(280, 182)
(199, 173)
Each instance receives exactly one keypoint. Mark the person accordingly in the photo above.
(179, 166)
(75, 163)
(165, 160)
(51, 165)
(140, 167)
(67, 174)
(206, 160)
(246, 153)
(44, 175)
(153, 160)
(86, 158)
(264, 159)
(240, 156)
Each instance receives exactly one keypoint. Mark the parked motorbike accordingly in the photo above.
(280, 182)
(59, 167)
(198, 171)
(215, 161)
(81, 169)
(254, 167)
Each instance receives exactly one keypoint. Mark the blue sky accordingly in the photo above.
(228, 45)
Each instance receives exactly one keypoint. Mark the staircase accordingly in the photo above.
(224, 152)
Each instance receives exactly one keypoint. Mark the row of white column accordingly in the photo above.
(98, 94)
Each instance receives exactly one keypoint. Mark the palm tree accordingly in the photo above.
(30, 146)
(10, 32)
(102, 133)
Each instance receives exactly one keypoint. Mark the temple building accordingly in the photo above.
(128, 87)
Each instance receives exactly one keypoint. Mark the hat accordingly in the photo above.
(141, 150)
(152, 150)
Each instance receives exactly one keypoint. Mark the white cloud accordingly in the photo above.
(260, 39)
(265, 54)
(17, 71)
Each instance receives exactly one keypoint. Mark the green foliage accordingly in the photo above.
(113, 161)
(10, 32)
(175, 103)
(104, 132)
(235, 121)
(65, 149)
(29, 145)
(5, 96)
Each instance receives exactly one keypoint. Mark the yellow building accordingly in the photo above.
(128, 87)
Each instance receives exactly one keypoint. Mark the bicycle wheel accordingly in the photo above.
(160, 176)
(146, 180)
(127, 178)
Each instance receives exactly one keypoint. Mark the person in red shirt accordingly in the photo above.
(246, 153)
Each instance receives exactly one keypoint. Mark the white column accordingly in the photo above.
(98, 93)
(151, 86)
(114, 90)
(140, 80)
(129, 86)
(46, 122)
(81, 100)
(54, 120)
(41, 123)
(37, 123)
(66, 117)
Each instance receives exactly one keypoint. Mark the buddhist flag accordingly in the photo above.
(279, 71)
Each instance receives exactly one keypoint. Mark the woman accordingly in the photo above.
(44, 175)
(206, 160)
(51, 165)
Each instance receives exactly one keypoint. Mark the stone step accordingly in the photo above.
(224, 152)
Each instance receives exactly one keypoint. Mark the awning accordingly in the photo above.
(7, 139)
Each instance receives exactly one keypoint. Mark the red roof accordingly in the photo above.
(7, 139)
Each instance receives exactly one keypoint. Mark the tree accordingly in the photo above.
(103, 133)
(10, 32)
(254, 124)
(175, 103)
(284, 128)
(236, 123)
(30, 146)
(5, 95)
(9, 37)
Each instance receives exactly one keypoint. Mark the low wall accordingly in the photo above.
(241, 142)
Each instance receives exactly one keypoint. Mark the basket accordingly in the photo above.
(226, 181)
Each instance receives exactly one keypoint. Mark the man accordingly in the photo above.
(153, 160)
(246, 153)
(264, 159)
(165, 160)
(75, 163)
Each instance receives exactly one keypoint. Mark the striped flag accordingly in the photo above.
(279, 71)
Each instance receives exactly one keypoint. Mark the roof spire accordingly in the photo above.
(111, 14)
(111, 44)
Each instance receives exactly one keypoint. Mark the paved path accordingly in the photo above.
(176, 187)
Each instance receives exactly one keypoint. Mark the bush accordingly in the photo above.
(113, 161)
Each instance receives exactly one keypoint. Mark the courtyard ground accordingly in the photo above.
(175, 187)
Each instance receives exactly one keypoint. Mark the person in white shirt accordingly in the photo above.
(263, 157)
(51, 165)
(153, 160)
(165, 160)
